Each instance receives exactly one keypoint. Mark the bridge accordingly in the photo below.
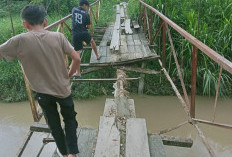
(122, 44)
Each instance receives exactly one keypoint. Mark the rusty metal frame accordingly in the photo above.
(196, 44)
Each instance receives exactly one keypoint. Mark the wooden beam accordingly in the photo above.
(128, 29)
(101, 79)
(25, 142)
(108, 141)
(156, 146)
(138, 70)
(40, 127)
(91, 69)
(136, 138)
(177, 141)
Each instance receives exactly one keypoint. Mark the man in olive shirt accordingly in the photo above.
(41, 54)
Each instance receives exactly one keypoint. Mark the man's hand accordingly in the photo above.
(76, 61)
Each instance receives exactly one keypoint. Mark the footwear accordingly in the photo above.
(76, 77)
(99, 58)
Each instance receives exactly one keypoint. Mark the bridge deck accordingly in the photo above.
(132, 47)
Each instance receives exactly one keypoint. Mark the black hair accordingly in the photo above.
(83, 2)
(33, 14)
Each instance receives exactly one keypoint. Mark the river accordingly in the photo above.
(160, 112)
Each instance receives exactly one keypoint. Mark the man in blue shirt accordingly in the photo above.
(80, 25)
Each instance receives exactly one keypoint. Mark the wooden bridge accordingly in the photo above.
(120, 133)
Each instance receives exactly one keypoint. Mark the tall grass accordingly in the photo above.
(215, 31)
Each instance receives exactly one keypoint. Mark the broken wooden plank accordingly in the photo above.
(177, 141)
(117, 9)
(135, 25)
(117, 22)
(122, 14)
(139, 70)
(128, 29)
(115, 41)
(108, 141)
(40, 127)
(136, 138)
(156, 146)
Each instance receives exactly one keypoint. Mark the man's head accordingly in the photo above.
(84, 4)
(33, 15)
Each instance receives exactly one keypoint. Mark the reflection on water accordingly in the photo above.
(161, 112)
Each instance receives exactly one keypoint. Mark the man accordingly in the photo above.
(80, 24)
(41, 54)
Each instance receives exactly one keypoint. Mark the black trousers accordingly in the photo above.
(66, 142)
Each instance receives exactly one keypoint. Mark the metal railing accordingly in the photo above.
(189, 105)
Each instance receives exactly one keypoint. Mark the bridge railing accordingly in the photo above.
(189, 105)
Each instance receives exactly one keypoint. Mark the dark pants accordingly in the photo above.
(66, 142)
(78, 38)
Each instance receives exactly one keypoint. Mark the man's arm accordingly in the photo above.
(76, 61)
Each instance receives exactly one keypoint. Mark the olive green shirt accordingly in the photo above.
(42, 55)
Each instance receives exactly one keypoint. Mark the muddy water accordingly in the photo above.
(160, 113)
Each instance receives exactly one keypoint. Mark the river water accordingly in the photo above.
(160, 112)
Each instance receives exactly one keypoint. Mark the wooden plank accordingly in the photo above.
(136, 138)
(135, 25)
(156, 146)
(143, 39)
(102, 51)
(125, 107)
(117, 22)
(139, 70)
(34, 145)
(115, 41)
(86, 141)
(135, 37)
(48, 149)
(137, 42)
(86, 138)
(177, 141)
(117, 9)
(123, 47)
(147, 51)
(114, 58)
(108, 141)
(139, 51)
(122, 14)
(128, 29)
(40, 127)
(110, 109)
(130, 40)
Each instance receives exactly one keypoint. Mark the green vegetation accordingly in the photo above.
(215, 31)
